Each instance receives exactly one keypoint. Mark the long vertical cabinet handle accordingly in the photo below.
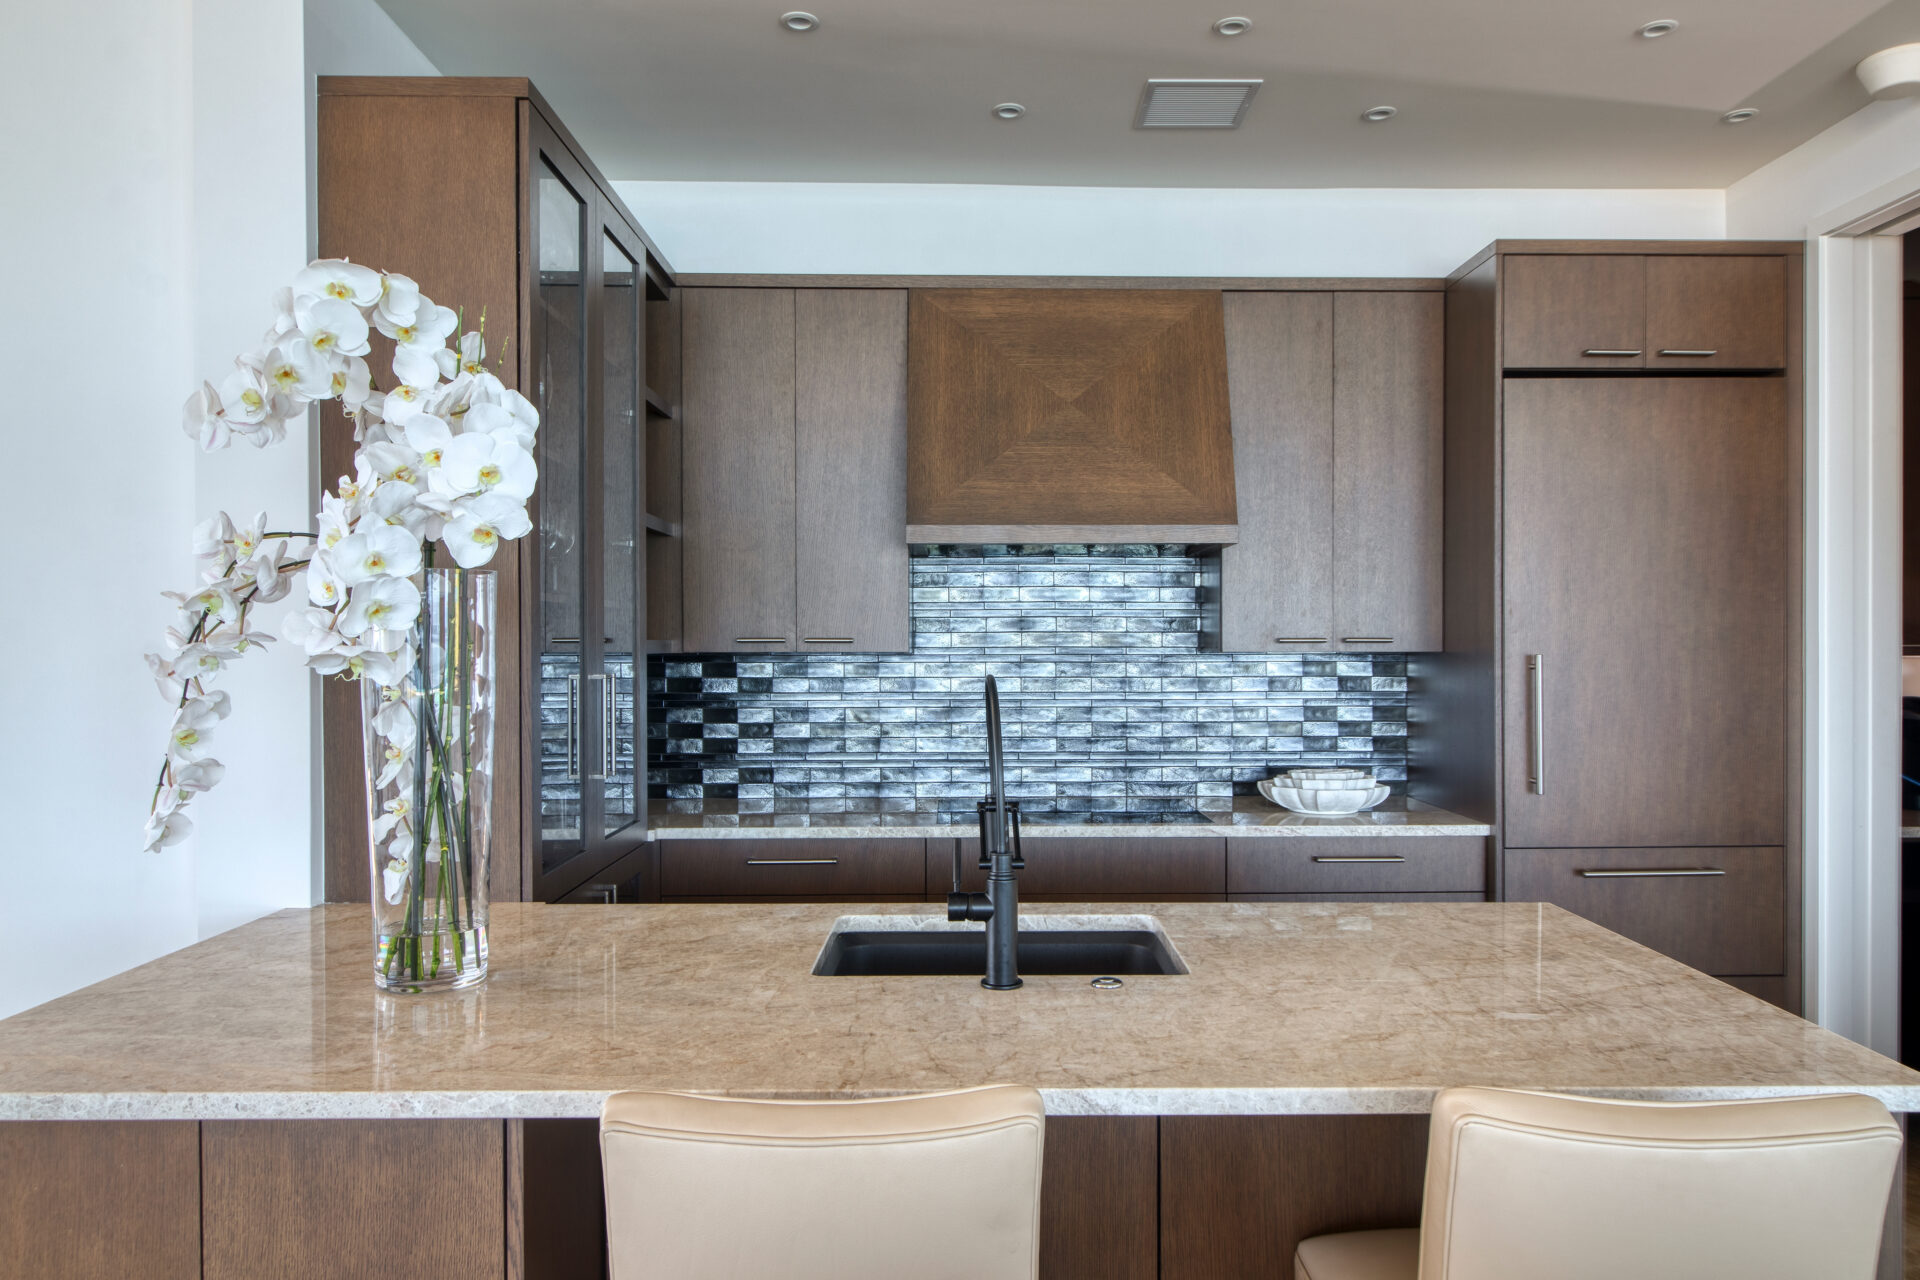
(606, 754)
(1537, 727)
(573, 728)
(609, 737)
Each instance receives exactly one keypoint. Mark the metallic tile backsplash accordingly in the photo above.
(1106, 700)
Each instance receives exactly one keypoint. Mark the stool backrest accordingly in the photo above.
(1522, 1186)
(942, 1186)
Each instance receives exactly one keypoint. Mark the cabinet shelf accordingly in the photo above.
(665, 528)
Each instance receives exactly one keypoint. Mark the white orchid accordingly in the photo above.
(445, 458)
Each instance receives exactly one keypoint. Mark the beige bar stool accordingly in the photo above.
(1525, 1186)
(938, 1186)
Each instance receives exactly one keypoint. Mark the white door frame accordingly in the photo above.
(1852, 613)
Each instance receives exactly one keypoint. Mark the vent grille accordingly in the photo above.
(1194, 104)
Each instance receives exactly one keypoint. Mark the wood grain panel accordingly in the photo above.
(1734, 922)
(1645, 554)
(1356, 897)
(1436, 864)
(1142, 868)
(1772, 990)
(756, 868)
(1010, 389)
(1259, 284)
(467, 258)
(1557, 307)
(1388, 414)
(1239, 1193)
(737, 468)
(850, 481)
(1277, 581)
(1099, 1193)
(565, 1204)
(1454, 757)
(81, 1199)
(1734, 307)
(353, 1198)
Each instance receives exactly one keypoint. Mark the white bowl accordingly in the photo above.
(1365, 782)
(1345, 772)
(1321, 803)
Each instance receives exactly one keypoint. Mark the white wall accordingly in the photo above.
(984, 230)
(1871, 147)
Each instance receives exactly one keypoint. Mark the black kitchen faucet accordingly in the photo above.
(1000, 857)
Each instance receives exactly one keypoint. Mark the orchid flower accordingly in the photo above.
(381, 604)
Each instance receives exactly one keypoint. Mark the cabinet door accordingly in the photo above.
(1388, 408)
(1645, 557)
(737, 461)
(1096, 868)
(1276, 584)
(559, 349)
(1569, 311)
(1723, 911)
(776, 867)
(850, 482)
(1716, 312)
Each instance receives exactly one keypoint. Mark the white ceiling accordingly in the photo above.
(1492, 93)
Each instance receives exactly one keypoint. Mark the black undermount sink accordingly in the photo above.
(876, 953)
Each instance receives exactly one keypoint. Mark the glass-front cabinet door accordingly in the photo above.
(588, 338)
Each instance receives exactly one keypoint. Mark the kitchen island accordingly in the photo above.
(1203, 1121)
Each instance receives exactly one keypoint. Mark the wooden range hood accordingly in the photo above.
(1068, 415)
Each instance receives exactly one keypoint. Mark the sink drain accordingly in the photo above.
(1105, 983)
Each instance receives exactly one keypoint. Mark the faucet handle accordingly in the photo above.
(1013, 829)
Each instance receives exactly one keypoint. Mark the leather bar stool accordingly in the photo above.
(1523, 1186)
(938, 1186)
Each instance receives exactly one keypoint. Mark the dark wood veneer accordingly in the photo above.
(82, 1199)
(1095, 868)
(1735, 307)
(806, 868)
(1099, 1190)
(1431, 864)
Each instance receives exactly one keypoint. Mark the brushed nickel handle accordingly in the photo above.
(1605, 353)
(573, 728)
(606, 737)
(759, 639)
(1537, 723)
(1299, 639)
(792, 862)
(828, 639)
(1358, 858)
(609, 738)
(1675, 352)
(1653, 873)
(1368, 640)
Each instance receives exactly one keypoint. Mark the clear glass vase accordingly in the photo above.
(429, 743)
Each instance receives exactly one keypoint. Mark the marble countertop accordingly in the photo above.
(1295, 1008)
(1249, 816)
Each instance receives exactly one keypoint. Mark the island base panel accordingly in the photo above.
(80, 1199)
(1238, 1193)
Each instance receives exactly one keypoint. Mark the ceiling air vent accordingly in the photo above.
(1194, 104)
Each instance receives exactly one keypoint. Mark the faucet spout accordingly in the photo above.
(999, 907)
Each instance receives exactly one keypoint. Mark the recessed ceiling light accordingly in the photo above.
(1377, 114)
(799, 20)
(1659, 27)
(1233, 26)
(1009, 111)
(1739, 115)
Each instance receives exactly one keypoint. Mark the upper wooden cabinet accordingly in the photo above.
(794, 470)
(1123, 390)
(1670, 312)
(1337, 421)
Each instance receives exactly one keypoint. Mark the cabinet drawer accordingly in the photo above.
(1561, 310)
(1716, 312)
(1722, 911)
(791, 868)
(1096, 867)
(1358, 897)
(1354, 865)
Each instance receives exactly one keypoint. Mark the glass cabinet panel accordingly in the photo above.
(621, 535)
(559, 314)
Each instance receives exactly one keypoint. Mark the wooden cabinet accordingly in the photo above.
(1351, 865)
(1675, 312)
(755, 868)
(794, 470)
(1646, 612)
(1723, 911)
(580, 317)
(1095, 868)
(1337, 425)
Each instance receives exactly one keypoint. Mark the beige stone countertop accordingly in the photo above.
(1289, 1008)
(1249, 816)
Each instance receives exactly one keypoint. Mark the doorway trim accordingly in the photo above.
(1852, 615)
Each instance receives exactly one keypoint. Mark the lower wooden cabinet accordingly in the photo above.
(81, 1199)
(1349, 866)
(1096, 868)
(1723, 911)
(756, 869)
